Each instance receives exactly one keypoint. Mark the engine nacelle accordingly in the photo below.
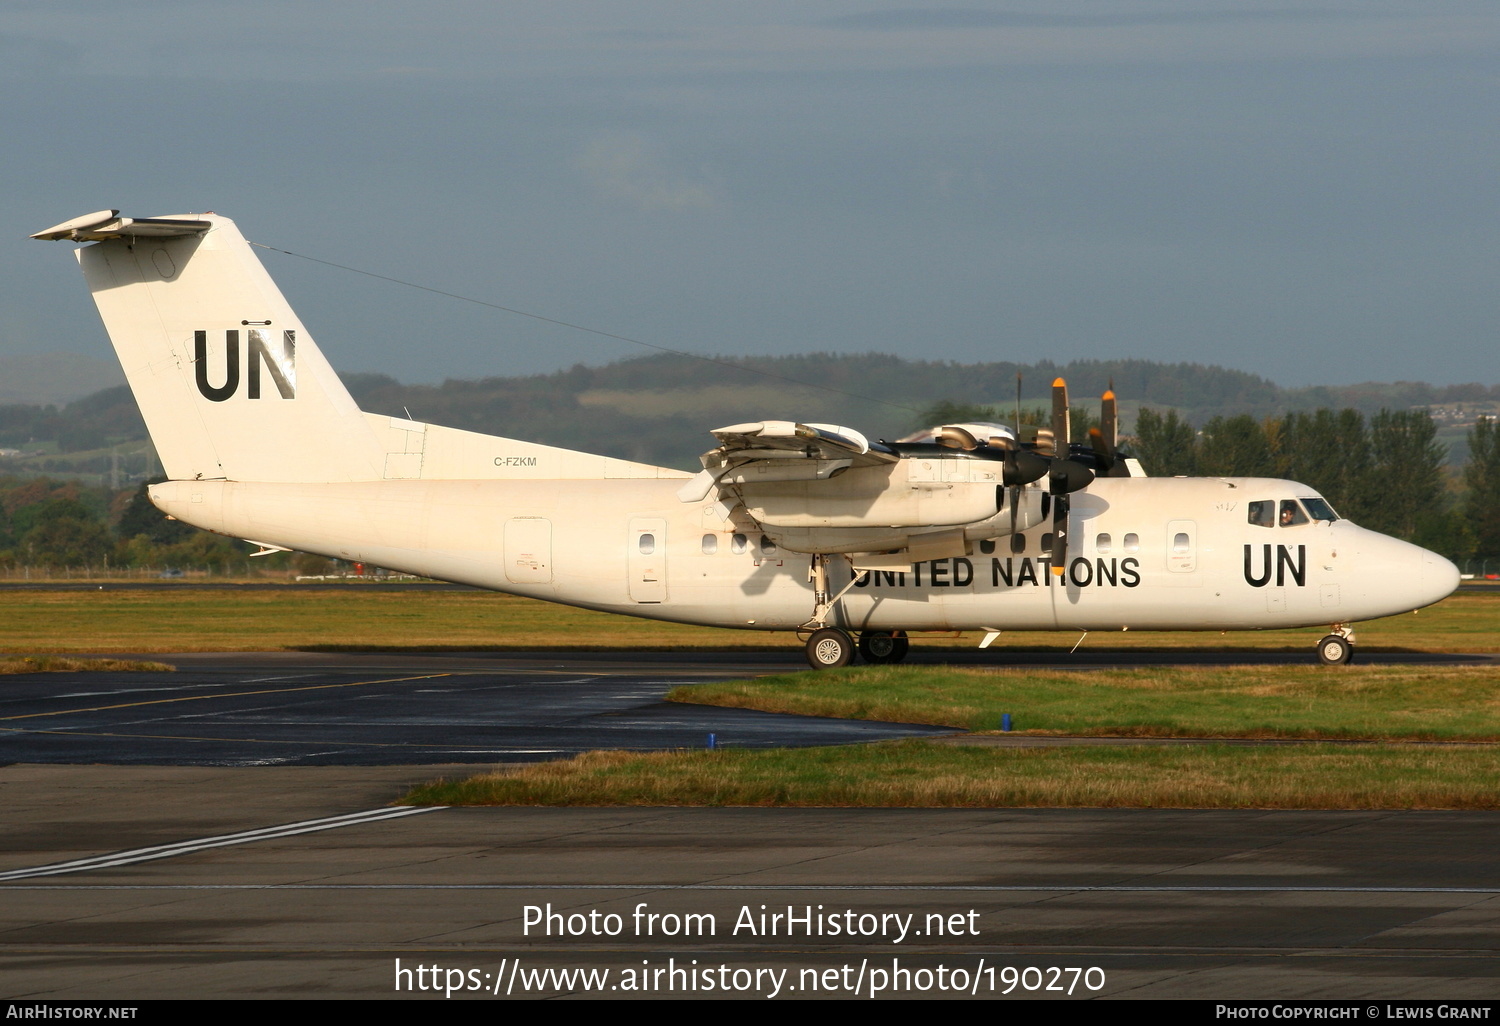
(912, 493)
(952, 540)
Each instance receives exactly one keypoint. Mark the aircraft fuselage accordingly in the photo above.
(1146, 553)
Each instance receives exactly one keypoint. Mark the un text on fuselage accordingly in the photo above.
(282, 366)
(1283, 565)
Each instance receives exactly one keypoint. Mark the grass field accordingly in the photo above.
(1400, 703)
(200, 620)
(927, 775)
(1433, 733)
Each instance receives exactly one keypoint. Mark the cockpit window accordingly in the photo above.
(1291, 513)
(1320, 509)
(1263, 513)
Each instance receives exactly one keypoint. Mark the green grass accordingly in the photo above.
(927, 775)
(1371, 702)
(198, 620)
(1395, 707)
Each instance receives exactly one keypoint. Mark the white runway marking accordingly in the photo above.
(761, 887)
(163, 851)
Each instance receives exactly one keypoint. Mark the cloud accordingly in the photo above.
(623, 166)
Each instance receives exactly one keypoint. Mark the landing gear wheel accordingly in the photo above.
(1335, 651)
(883, 646)
(829, 649)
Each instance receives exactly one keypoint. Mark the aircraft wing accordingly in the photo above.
(787, 440)
(819, 448)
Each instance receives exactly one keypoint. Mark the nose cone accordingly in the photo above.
(1384, 576)
(1436, 579)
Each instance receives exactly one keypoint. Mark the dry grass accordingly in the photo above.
(924, 775)
(56, 664)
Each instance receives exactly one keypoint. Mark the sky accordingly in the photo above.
(1304, 191)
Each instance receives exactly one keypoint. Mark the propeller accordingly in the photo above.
(1064, 476)
(1102, 438)
(1047, 456)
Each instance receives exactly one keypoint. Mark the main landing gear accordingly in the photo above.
(1337, 648)
(829, 647)
(883, 646)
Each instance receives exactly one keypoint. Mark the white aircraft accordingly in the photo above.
(789, 527)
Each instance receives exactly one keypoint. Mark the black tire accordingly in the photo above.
(829, 648)
(883, 646)
(1335, 651)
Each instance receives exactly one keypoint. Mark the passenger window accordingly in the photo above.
(1291, 513)
(1047, 543)
(738, 544)
(1102, 544)
(647, 544)
(1018, 543)
(1180, 542)
(767, 546)
(987, 546)
(710, 544)
(1262, 513)
(1132, 542)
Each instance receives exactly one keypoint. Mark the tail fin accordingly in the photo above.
(229, 382)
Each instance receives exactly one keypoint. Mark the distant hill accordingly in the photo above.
(659, 409)
(48, 379)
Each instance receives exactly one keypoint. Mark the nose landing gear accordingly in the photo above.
(1337, 648)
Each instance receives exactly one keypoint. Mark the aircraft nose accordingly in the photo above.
(1436, 579)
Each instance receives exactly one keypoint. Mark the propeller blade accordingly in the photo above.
(1060, 434)
(1059, 535)
(1102, 449)
(1109, 419)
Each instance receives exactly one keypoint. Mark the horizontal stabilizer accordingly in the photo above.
(107, 224)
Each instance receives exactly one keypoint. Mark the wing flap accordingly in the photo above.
(785, 439)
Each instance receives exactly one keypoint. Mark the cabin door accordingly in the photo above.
(647, 559)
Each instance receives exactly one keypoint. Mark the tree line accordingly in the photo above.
(1387, 472)
(50, 523)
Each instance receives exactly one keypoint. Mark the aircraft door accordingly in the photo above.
(1182, 546)
(647, 559)
(528, 550)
